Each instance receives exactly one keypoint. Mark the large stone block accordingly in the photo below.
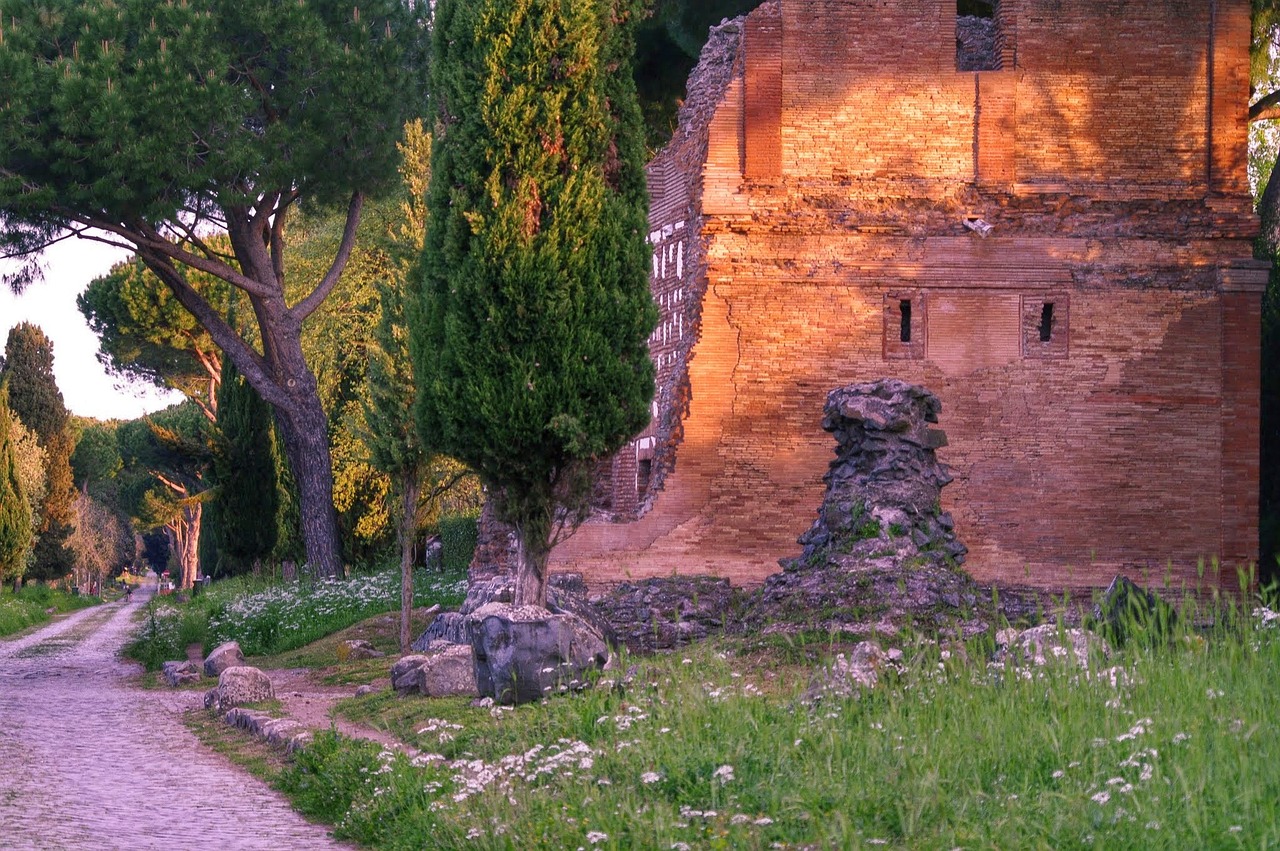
(526, 653)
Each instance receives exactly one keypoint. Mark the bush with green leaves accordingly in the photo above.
(458, 536)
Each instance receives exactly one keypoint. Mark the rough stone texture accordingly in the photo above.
(525, 653)
(667, 612)
(277, 731)
(826, 162)
(225, 655)
(566, 594)
(404, 673)
(358, 649)
(180, 673)
(1047, 643)
(361, 691)
(237, 686)
(1125, 610)
(850, 674)
(448, 672)
(881, 554)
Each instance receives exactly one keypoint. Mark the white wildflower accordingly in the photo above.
(650, 777)
(1101, 798)
(724, 773)
(595, 837)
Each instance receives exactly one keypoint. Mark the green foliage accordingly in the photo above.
(34, 398)
(32, 604)
(145, 109)
(724, 752)
(531, 324)
(667, 47)
(269, 616)
(15, 512)
(458, 536)
(242, 515)
(145, 334)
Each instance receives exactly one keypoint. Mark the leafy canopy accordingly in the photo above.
(161, 112)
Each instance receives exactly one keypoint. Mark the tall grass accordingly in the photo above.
(1169, 744)
(268, 617)
(30, 605)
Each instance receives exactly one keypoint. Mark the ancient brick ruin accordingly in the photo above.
(1057, 246)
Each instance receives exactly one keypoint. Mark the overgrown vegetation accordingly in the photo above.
(268, 617)
(1164, 745)
(30, 606)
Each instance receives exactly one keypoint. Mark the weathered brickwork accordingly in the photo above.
(1096, 353)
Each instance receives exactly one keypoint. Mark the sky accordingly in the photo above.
(86, 387)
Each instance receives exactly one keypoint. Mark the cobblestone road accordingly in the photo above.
(87, 762)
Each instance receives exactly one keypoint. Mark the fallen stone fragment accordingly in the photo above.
(355, 648)
(1041, 645)
(238, 686)
(226, 655)
(450, 672)
(180, 673)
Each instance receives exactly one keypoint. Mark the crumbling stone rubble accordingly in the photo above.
(882, 553)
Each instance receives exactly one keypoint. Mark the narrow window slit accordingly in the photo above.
(904, 308)
(1046, 322)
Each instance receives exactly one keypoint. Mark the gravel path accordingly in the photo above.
(86, 761)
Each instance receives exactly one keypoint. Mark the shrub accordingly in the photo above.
(458, 536)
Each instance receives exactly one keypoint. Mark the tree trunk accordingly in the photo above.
(187, 538)
(305, 432)
(530, 582)
(409, 491)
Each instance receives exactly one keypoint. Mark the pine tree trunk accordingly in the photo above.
(305, 430)
(408, 529)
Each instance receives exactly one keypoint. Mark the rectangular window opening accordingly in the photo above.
(977, 36)
(904, 308)
(1046, 322)
(644, 472)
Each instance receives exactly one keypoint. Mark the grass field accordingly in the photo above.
(1170, 743)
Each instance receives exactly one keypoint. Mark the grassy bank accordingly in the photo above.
(1169, 744)
(270, 617)
(32, 604)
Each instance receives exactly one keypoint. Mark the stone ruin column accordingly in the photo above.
(884, 488)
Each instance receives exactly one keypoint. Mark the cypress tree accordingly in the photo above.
(534, 310)
(244, 508)
(15, 515)
(35, 399)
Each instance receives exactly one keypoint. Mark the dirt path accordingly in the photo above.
(86, 761)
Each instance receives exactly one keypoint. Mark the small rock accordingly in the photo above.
(848, 675)
(1127, 610)
(404, 673)
(222, 657)
(1048, 642)
(365, 689)
(353, 649)
(236, 687)
(180, 673)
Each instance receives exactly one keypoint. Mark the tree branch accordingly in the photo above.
(249, 362)
(308, 305)
(1265, 108)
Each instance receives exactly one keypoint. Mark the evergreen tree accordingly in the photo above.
(35, 399)
(143, 122)
(15, 515)
(241, 516)
(530, 331)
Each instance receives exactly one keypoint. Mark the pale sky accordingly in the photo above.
(86, 387)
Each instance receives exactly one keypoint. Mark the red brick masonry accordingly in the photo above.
(1097, 355)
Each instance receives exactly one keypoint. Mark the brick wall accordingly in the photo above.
(1115, 431)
